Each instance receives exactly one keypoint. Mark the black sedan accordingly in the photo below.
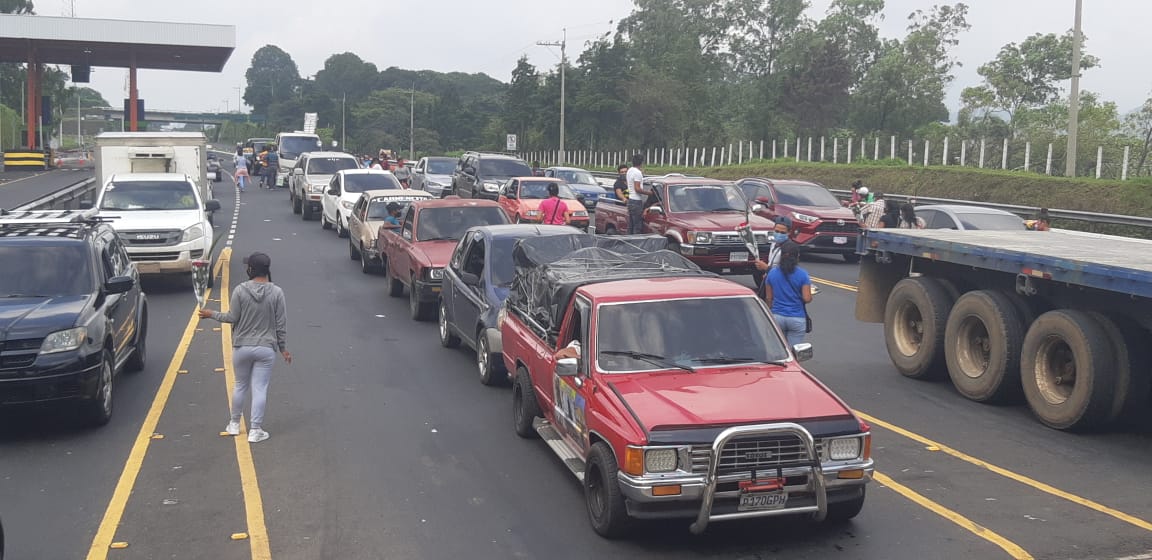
(475, 286)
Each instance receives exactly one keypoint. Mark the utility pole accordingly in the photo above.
(563, 44)
(412, 123)
(239, 103)
(343, 120)
(1074, 96)
(79, 133)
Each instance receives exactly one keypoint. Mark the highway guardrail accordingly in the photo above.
(67, 198)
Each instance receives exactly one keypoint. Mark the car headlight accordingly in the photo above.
(436, 184)
(315, 188)
(804, 218)
(843, 449)
(491, 187)
(700, 238)
(531, 213)
(346, 204)
(660, 460)
(194, 232)
(580, 214)
(63, 341)
(436, 273)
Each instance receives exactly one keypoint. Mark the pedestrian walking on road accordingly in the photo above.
(787, 292)
(272, 160)
(257, 313)
(638, 197)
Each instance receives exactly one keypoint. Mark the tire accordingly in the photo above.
(341, 231)
(366, 264)
(211, 278)
(852, 258)
(1133, 366)
(140, 348)
(525, 407)
(297, 205)
(606, 508)
(98, 411)
(447, 339)
(1058, 341)
(306, 212)
(489, 364)
(982, 346)
(914, 321)
(324, 223)
(673, 246)
(418, 310)
(843, 511)
(353, 254)
(395, 286)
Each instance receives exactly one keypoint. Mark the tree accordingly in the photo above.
(520, 113)
(346, 73)
(273, 76)
(16, 7)
(1027, 75)
(760, 30)
(1139, 124)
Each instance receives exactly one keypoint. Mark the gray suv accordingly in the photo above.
(480, 175)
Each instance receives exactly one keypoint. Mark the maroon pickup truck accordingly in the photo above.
(698, 217)
(669, 392)
(414, 255)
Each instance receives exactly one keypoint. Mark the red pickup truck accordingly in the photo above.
(698, 217)
(683, 401)
(414, 254)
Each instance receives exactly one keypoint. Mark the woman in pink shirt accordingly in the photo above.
(553, 211)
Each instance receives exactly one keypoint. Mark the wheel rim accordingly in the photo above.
(974, 347)
(106, 388)
(909, 329)
(1055, 370)
(482, 356)
(443, 325)
(596, 498)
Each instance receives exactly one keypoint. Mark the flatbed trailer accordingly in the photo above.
(1059, 318)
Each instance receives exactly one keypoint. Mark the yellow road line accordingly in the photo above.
(253, 502)
(116, 506)
(981, 531)
(1046, 488)
(1130, 519)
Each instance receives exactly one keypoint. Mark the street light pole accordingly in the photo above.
(1074, 96)
(563, 44)
(343, 120)
(412, 123)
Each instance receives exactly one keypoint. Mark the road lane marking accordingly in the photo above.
(6, 183)
(1027, 481)
(257, 533)
(1013, 550)
(102, 542)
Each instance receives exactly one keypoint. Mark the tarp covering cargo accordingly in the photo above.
(550, 269)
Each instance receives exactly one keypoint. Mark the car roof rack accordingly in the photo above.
(9, 217)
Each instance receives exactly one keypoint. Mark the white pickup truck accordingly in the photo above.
(161, 218)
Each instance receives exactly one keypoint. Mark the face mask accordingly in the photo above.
(780, 237)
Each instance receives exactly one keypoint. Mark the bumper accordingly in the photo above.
(51, 378)
(719, 258)
(167, 260)
(314, 200)
(371, 253)
(427, 291)
(828, 242)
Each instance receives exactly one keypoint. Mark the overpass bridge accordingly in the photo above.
(112, 113)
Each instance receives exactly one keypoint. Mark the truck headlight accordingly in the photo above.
(843, 449)
(194, 232)
(491, 187)
(660, 460)
(700, 238)
(436, 273)
(63, 341)
(804, 218)
(580, 214)
(346, 204)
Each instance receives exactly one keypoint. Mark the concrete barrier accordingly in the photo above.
(15, 160)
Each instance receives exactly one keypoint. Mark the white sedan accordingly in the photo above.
(344, 190)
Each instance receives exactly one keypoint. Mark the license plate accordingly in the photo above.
(762, 501)
(840, 240)
(737, 257)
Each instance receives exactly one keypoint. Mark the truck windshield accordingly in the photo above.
(149, 195)
(360, 182)
(706, 198)
(292, 146)
(685, 333)
(806, 195)
(330, 165)
(438, 224)
(45, 270)
(441, 166)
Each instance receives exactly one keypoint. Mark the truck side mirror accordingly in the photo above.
(212, 205)
(298, 171)
(655, 210)
(567, 367)
(757, 207)
(803, 351)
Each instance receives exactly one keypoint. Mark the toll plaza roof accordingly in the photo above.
(112, 43)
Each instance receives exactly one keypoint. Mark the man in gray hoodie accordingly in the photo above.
(257, 313)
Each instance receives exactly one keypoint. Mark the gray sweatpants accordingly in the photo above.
(253, 367)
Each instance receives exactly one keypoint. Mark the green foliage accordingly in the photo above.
(9, 128)
(273, 76)
(16, 7)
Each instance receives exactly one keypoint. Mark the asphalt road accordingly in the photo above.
(20, 187)
(384, 445)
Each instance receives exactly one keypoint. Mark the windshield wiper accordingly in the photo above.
(726, 360)
(650, 358)
(13, 296)
(726, 210)
(439, 239)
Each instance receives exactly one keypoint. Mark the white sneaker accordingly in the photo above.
(257, 435)
(233, 429)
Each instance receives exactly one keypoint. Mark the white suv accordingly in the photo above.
(311, 176)
(161, 219)
(344, 190)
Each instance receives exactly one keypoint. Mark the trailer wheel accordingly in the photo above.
(982, 346)
(914, 321)
(1068, 370)
(1133, 365)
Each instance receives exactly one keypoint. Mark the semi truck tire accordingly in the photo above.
(1067, 369)
(982, 346)
(914, 321)
(1133, 365)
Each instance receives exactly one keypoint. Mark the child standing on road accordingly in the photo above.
(258, 314)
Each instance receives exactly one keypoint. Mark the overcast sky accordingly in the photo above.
(469, 36)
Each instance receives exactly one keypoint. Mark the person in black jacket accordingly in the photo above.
(621, 185)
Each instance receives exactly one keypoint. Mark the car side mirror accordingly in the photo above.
(212, 205)
(764, 200)
(757, 207)
(298, 171)
(655, 210)
(335, 191)
(119, 284)
(803, 351)
(469, 279)
(567, 367)
(469, 170)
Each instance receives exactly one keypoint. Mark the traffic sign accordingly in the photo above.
(511, 143)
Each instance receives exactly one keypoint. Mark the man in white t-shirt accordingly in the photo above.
(635, 178)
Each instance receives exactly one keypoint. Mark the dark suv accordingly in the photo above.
(72, 314)
(480, 175)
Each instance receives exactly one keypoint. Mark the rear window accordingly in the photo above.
(360, 182)
(330, 165)
(451, 223)
(44, 270)
(504, 168)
